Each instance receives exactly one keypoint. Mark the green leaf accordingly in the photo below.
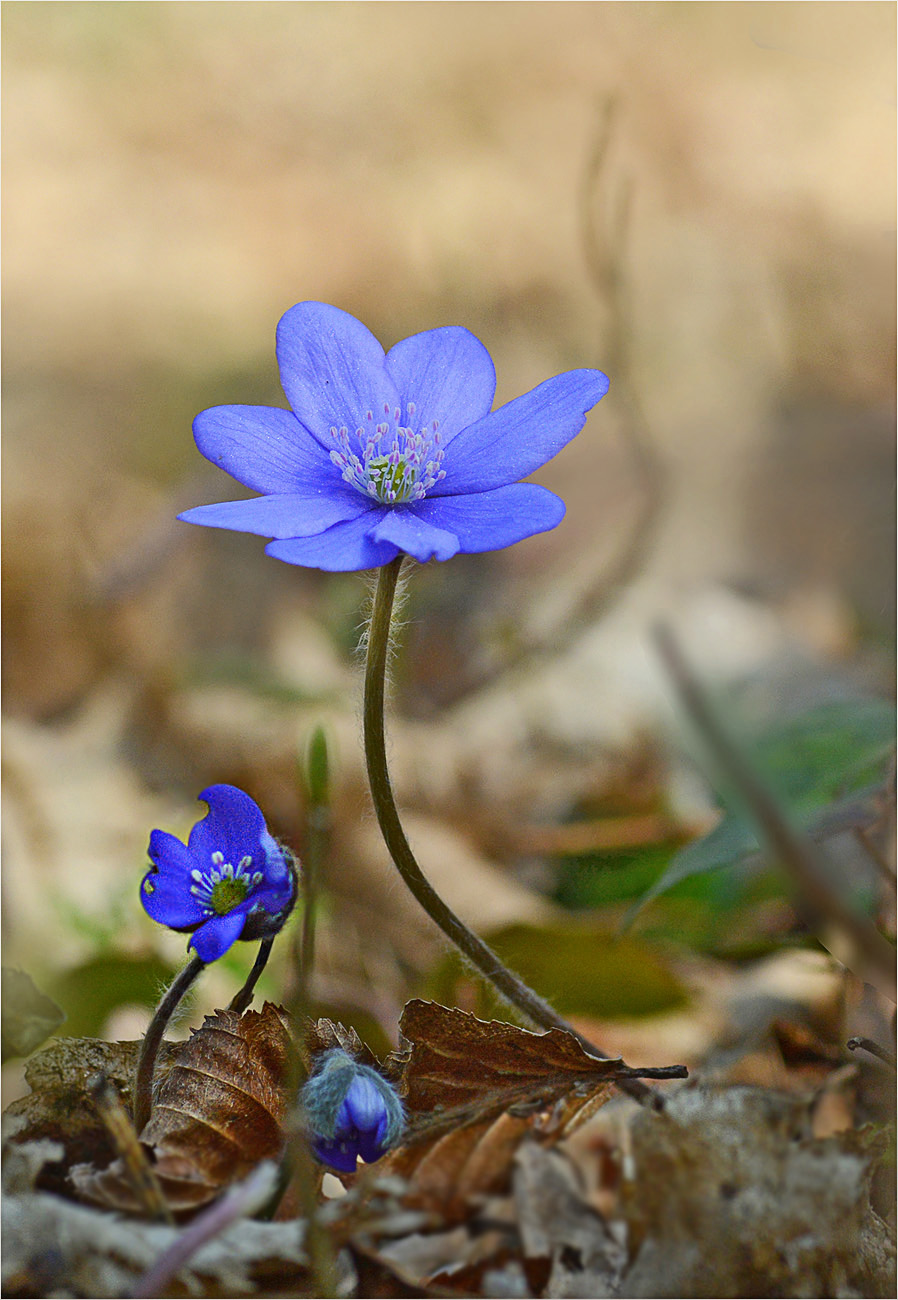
(808, 761)
(608, 877)
(28, 1016)
(729, 842)
(582, 968)
(828, 751)
(92, 991)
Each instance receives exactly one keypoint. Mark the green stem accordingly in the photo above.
(479, 954)
(241, 1000)
(318, 833)
(149, 1048)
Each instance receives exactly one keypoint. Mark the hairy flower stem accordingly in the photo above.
(240, 1001)
(317, 837)
(149, 1048)
(509, 985)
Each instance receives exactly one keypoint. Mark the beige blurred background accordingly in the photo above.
(178, 175)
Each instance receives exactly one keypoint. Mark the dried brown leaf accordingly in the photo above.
(788, 1214)
(61, 1108)
(474, 1090)
(457, 1166)
(218, 1113)
(555, 1222)
(455, 1061)
(323, 1035)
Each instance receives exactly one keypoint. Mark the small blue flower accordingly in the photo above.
(389, 453)
(230, 881)
(351, 1110)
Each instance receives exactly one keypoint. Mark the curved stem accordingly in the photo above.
(239, 1201)
(240, 1001)
(479, 954)
(149, 1048)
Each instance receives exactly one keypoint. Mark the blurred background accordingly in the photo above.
(697, 198)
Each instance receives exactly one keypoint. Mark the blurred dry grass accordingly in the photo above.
(178, 175)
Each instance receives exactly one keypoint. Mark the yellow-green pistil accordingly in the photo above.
(222, 888)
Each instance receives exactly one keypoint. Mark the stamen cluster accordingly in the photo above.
(224, 886)
(391, 472)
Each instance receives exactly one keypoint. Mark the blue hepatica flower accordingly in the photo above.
(389, 453)
(230, 881)
(352, 1111)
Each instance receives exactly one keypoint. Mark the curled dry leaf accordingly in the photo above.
(474, 1090)
(219, 1107)
(455, 1061)
(218, 1113)
(449, 1169)
(323, 1035)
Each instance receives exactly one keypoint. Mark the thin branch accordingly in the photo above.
(873, 956)
(885, 868)
(138, 1170)
(868, 1045)
(605, 253)
(604, 240)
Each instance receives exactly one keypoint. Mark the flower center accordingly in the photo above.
(220, 889)
(394, 462)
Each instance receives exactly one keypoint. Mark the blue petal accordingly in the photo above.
(337, 1154)
(448, 374)
(340, 549)
(214, 938)
(272, 900)
(171, 856)
(264, 447)
(371, 1145)
(414, 535)
(170, 901)
(233, 826)
(363, 1111)
(522, 435)
(487, 521)
(289, 514)
(332, 369)
(277, 869)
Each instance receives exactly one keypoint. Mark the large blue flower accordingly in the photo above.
(389, 453)
(352, 1111)
(230, 881)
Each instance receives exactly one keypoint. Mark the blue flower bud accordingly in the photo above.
(351, 1111)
